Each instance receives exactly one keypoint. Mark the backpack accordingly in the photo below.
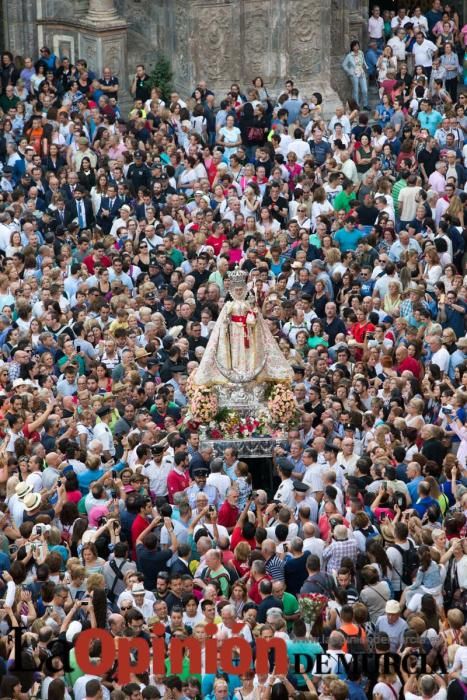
(118, 577)
(210, 579)
(371, 534)
(354, 641)
(410, 563)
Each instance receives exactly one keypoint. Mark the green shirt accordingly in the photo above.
(342, 201)
(290, 606)
(396, 190)
(76, 672)
(176, 256)
(185, 670)
(7, 103)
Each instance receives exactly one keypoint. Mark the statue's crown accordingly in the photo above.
(237, 276)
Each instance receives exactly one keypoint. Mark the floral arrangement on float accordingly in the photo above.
(204, 405)
(224, 423)
(281, 404)
(230, 424)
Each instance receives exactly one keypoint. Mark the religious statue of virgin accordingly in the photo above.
(241, 348)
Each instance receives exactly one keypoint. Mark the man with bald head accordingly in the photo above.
(116, 625)
(52, 471)
(405, 362)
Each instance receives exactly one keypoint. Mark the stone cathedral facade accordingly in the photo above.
(218, 40)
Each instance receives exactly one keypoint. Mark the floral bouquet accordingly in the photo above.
(191, 387)
(231, 424)
(281, 404)
(203, 405)
(312, 607)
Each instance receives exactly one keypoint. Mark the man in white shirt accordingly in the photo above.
(298, 146)
(15, 504)
(419, 21)
(430, 686)
(400, 20)
(423, 51)
(398, 45)
(313, 475)
(102, 432)
(340, 117)
(97, 691)
(349, 168)
(347, 457)
(217, 478)
(312, 542)
(157, 470)
(440, 355)
(376, 26)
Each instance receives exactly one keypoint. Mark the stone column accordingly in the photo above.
(80, 8)
(102, 11)
(103, 39)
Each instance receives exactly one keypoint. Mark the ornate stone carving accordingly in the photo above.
(113, 58)
(304, 41)
(214, 52)
(182, 23)
(88, 48)
(255, 43)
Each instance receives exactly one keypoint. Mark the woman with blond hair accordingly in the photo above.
(415, 410)
(432, 270)
(392, 299)
(456, 210)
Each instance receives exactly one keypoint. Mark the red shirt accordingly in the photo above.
(253, 593)
(216, 242)
(359, 331)
(410, 364)
(177, 482)
(237, 537)
(90, 262)
(228, 515)
(139, 524)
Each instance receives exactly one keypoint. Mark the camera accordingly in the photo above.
(333, 522)
(113, 494)
(114, 474)
(212, 509)
(59, 482)
(38, 530)
(102, 521)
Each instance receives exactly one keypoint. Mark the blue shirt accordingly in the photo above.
(86, 478)
(430, 120)
(293, 108)
(412, 487)
(423, 504)
(348, 240)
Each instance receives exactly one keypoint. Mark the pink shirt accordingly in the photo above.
(437, 182)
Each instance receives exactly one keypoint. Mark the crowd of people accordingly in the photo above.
(117, 233)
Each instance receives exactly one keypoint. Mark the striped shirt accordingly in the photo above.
(275, 568)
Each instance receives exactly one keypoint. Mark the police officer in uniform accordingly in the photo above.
(285, 492)
(302, 495)
(200, 475)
